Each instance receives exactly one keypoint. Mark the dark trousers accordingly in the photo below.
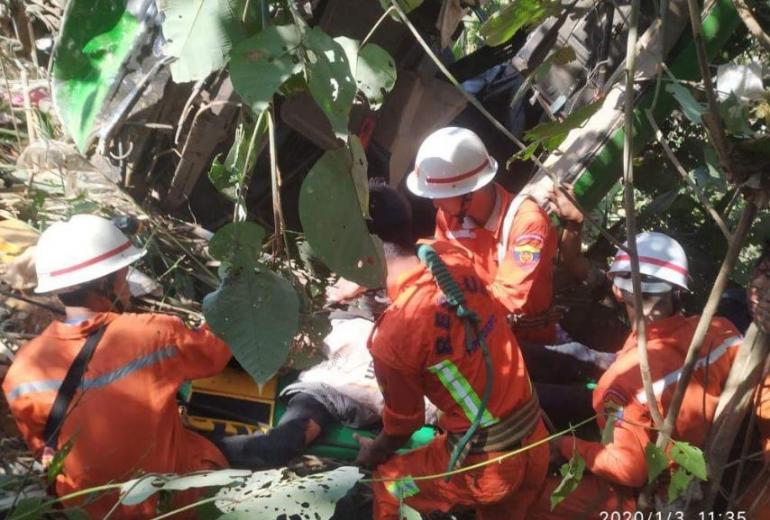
(281, 444)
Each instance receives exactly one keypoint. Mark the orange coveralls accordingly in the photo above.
(126, 422)
(523, 282)
(419, 350)
(620, 392)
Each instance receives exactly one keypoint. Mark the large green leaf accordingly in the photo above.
(199, 34)
(96, 38)
(505, 23)
(373, 68)
(333, 221)
(278, 493)
(260, 64)
(257, 315)
(329, 78)
(237, 243)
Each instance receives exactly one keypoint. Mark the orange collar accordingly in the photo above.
(502, 200)
(59, 329)
(452, 255)
(660, 329)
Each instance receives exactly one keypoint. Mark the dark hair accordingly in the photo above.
(80, 296)
(390, 216)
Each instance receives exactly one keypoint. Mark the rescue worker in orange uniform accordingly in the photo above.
(420, 350)
(511, 236)
(123, 421)
(618, 468)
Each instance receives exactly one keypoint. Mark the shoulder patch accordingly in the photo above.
(527, 248)
(613, 403)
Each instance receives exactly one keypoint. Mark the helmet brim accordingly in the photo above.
(455, 189)
(627, 285)
(69, 283)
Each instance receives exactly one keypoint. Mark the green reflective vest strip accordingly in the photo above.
(461, 391)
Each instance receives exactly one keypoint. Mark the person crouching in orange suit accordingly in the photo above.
(122, 417)
(420, 350)
(615, 471)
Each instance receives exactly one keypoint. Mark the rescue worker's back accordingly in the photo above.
(125, 420)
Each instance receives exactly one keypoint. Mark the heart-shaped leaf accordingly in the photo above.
(237, 243)
(332, 217)
(257, 315)
(260, 64)
(199, 34)
(280, 494)
(329, 78)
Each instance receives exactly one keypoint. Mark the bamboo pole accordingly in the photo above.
(734, 403)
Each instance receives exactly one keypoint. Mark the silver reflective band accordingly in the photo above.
(673, 377)
(50, 385)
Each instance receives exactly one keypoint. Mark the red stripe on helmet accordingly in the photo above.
(655, 261)
(92, 261)
(448, 180)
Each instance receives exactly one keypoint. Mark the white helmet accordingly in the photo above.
(84, 248)
(451, 161)
(660, 257)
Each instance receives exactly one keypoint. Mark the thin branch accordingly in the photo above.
(683, 173)
(478, 106)
(709, 310)
(630, 207)
(275, 183)
(376, 25)
(751, 23)
(711, 120)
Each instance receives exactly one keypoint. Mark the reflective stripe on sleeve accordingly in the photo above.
(672, 378)
(51, 385)
(461, 391)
